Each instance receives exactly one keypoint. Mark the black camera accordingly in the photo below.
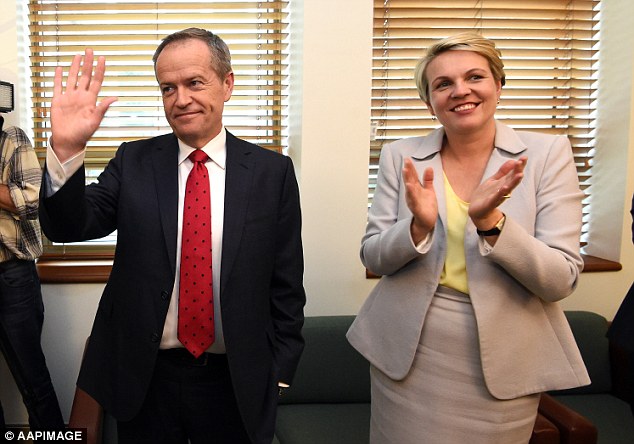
(7, 102)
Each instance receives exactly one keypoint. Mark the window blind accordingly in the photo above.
(550, 54)
(127, 34)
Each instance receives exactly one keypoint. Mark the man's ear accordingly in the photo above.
(228, 85)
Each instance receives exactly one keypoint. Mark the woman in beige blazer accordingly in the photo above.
(475, 229)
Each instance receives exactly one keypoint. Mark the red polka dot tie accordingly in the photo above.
(195, 302)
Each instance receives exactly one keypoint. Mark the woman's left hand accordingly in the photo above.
(493, 191)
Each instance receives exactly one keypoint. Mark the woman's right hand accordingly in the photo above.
(421, 200)
(75, 113)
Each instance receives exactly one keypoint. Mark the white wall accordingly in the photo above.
(329, 140)
(329, 133)
(613, 175)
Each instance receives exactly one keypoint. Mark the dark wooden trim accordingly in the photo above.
(591, 264)
(73, 271)
(370, 275)
(96, 268)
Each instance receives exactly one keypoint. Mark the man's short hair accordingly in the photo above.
(220, 56)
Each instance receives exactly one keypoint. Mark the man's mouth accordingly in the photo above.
(185, 115)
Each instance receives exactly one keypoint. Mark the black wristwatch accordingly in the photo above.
(495, 230)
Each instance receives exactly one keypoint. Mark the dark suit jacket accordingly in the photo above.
(262, 294)
(622, 329)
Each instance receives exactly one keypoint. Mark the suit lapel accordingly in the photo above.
(507, 146)
(165, 166)
(238, 180)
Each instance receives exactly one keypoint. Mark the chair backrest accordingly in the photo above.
(590, 331)
(330, 370)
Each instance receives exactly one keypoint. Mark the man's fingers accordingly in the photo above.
(57, 82)
(103, 106)
(86, 70)
(97, 80)
(73, 73)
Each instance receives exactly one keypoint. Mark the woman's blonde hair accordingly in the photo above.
(466, 41)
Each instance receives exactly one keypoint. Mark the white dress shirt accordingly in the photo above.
(216, 149)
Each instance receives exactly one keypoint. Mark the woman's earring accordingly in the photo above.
(433, 117)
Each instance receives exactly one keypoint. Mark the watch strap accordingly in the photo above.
(492, 232)
(495, 230)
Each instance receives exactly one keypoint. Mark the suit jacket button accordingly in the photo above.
(165, 295)
(155, 337)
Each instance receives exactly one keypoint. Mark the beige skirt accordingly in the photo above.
(443, 400)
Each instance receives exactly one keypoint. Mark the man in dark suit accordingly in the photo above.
(136, 365)
(621, 330)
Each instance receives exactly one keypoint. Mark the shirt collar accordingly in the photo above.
(216, 149)
(506, 139)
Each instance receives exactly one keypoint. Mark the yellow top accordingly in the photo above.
(454, 272)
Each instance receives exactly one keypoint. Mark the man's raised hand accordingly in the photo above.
(75, 113)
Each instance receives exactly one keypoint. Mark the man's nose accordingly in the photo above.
(182, 97)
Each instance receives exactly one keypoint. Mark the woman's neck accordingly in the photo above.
(470, 145)
(464, 159)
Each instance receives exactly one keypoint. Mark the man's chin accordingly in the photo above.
(193, 140)
(185, 132)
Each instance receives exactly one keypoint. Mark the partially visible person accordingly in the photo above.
(21, 306)
(622, 328)
(475, 229)
(199, 325)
